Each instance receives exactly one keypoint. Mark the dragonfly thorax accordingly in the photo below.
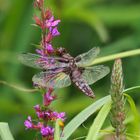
(72, 64)
(75, 71)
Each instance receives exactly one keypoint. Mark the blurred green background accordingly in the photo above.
(112, 25)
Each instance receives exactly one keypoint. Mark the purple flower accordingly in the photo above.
(39, 125)
(54, 31)
(51, 22)
(28, 123)
(37, 108)
(49, 48)
(38, 111)
(48, 98)
(60, 115)
(41, 114)
(47, 131)
(41, 52)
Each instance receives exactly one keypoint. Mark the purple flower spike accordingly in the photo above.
(28, 123)
(46, 117)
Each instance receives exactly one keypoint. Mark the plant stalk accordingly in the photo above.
(115, 56)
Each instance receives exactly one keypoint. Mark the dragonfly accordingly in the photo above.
(61, 70)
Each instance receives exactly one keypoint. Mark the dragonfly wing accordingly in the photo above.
(93, 74)
(30, 60)
(87, 58)
(42, 62)
(52, 80)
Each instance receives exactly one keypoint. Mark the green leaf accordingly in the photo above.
(98, 122)
(57, 130)
(82, 116)
(5, 133)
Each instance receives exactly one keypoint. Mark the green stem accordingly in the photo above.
(115, 56)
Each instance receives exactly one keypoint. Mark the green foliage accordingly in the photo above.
(112, 25)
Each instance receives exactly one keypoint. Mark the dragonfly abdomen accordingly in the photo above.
(84, 87)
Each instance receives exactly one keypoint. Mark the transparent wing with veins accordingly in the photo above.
(87, 58)
(54, 80)
(42, 62)
(95, 73)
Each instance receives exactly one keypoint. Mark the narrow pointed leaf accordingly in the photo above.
(136, 126)
(132, 89)
(98, 122)
(57, 131)
(5, 133)
(133, 107)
